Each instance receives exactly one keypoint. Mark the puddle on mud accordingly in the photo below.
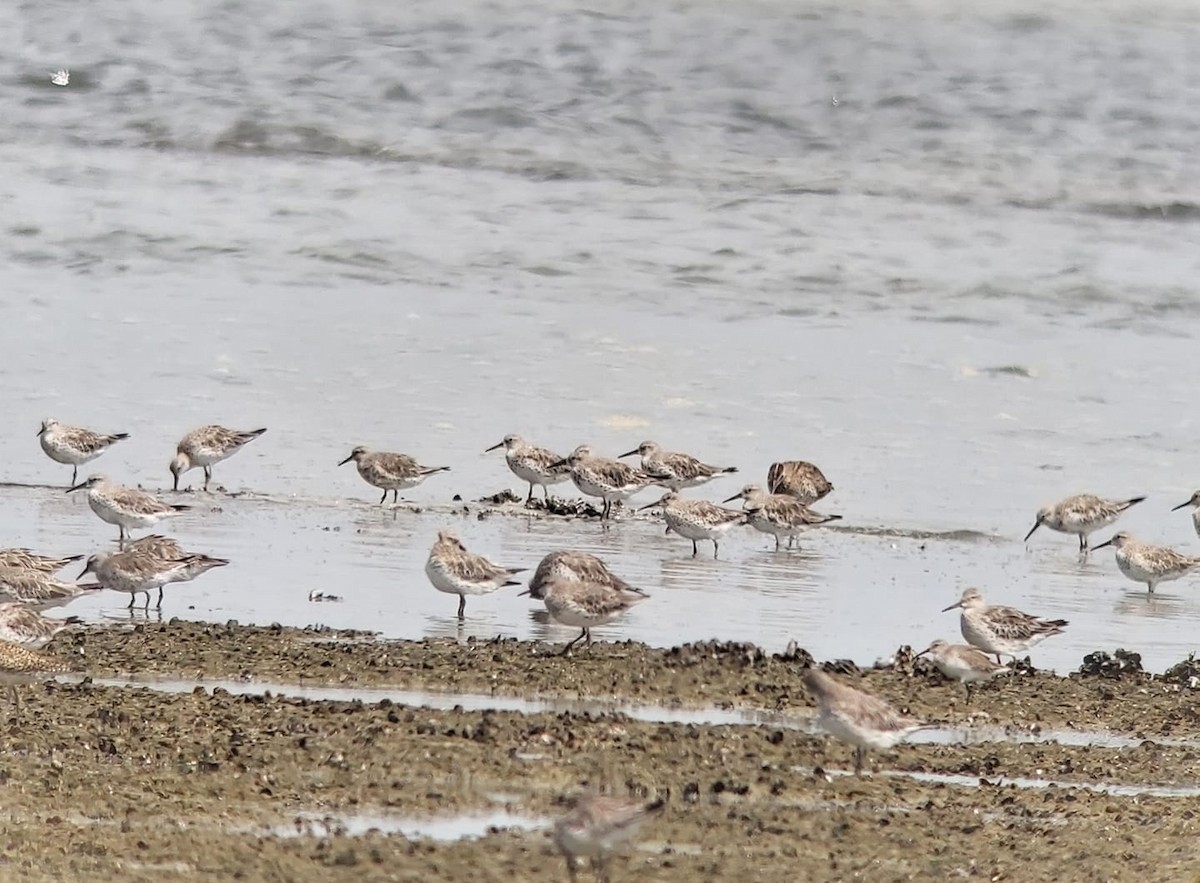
(444, 829)
(659, 714)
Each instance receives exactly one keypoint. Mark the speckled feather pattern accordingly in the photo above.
(573, 566)
(799, 479)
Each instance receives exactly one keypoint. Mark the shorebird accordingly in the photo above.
(38, 589)
(21, 624)
(20, 665)
(1147, 563)
(586, 605)
(572, 566)
(799, 479)
(208, 446)
(1193, 500)
(74, 445)
(610, 480)
(779, 515)
(1001, 630)
(141, 571)
(675, 471)
(962, 663)
(858, 718)
(23, 559)
(597, 827)
(128, 508)
(455, 571)
(1082, 514)
(392, 472)
(538, 466)
(697, 519)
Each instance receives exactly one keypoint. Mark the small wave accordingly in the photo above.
(1165, 211)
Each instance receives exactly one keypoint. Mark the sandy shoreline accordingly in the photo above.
(107, 780)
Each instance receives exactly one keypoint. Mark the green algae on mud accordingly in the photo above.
(103, 781)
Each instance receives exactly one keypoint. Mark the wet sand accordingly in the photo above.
(105, 781)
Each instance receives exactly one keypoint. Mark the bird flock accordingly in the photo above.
(577, 588)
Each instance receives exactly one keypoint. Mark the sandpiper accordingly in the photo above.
(610, 480)
(697, 519)
(21, 624)
(799, 479)
(779, 515)
(1193, 500)
(454, 570)
(586, 605)
(128, 508)
(597, 827)
(20, 665)
(675, 471)
(206, 447)
(38, 589)
(392, 472)
(74, 445)
(962, 663)
(858, 718)
(538, 466)
(1081, 514)
(1147, 563)
(168, 549)
(1000, 630)
(23, 559)
(572, 566)
(141, 571)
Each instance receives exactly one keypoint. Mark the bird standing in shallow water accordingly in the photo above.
(392, 472)
(74, 445)
(585, 605)
(1147, 563)
(1082, 514)
(455, 571)
(610, 480)
(126, 507)
(697, 519)
(207, 446)
(779, 515)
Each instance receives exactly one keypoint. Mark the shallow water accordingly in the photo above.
(664, 714)
(965, 287)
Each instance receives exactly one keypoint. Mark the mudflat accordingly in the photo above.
(1036, 777)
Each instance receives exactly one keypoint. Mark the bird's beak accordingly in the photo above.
(1036, 525)
(77, 487)
(1102, 545)
(526, 592)
(650, 506)
(952, 606)
(559, 463)
(927, 649)
(1181, 505)
(731, 499)
(176, 474)
(488, 451)
(629, 453)
(40, 431)
(85, 572)
(347, 460)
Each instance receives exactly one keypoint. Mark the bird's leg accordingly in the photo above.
(396, 495)
(1083, 544)
(462, 605)
(160, 596)
(714, 549)
(383, 499)
(74, 476)
(602, 869)
(146, 606)
(529, 499)
(132, 597)
(776, 542)
(571, 873)
(15, 696)
(967, 690)
(1150, 586)
(860, 755)
(567, 649)
(207, 476)
(695, 549)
